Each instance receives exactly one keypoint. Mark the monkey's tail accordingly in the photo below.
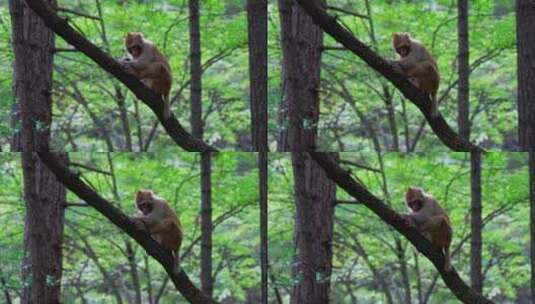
(166, 106)
(447, 259)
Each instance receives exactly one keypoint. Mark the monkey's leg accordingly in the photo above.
(433, 223)
(162, 226)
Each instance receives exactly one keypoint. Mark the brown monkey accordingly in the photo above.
(430, 219)
(418, 65)
(146, 62)
(156, 217)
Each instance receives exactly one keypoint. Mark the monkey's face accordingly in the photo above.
(414, 198)
(144, 201)
(134, 44)
(415, 205)
(402, 43)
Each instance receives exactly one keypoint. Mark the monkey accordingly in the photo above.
(156, 217)
(145, 61)
(417, 64)
(430, 219)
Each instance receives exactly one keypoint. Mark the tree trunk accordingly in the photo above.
(33, 45)
(301, 51)
(263, 180)
(257, 20)
(45, 200)
(44, 196)
(532, 218)
(195, 70)
(207, 285)
(525, 31)
(315, 195)
(463, 118)
(476, 223)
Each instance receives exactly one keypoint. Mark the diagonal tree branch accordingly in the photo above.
(73, 182)
(343, 179)
(171, 125)
(343, 36)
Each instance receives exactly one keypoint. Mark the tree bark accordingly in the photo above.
(207, 285)
(45, 200)
(463, 118)
(314, 196)
(525, 31)
(301, 52)
(33, 45)
(195, 70)
(257, 29)
(263, 180)
(476, 276)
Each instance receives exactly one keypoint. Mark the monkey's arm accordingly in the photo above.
(419, 218)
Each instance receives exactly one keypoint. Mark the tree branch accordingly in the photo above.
(171, 125)
(339, 33)
(342, 178)
(119, 219)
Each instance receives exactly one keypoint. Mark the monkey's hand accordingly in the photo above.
(396, 65)
(126, 63)
(139, 223)
(408, 220)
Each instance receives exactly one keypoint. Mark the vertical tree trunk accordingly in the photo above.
(44, 196)
(532, 218)
(525, 31)
(463, 118)
(301, 51)
(263, 180)
(207, 285)
(195, 69)
(476, 223)
(45, 200)
(257, 20)
(33, 45)
(314, 197)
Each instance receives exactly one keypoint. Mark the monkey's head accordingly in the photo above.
(402, 43)
(133, 43)
(145, 201)
(414, 198)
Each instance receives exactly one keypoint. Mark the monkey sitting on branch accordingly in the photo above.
(157, 218)
(430, 219)
(145, 61)
(417, 64)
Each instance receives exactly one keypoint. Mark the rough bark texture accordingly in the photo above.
(314, 196)
(344, 180)
(171, 125)
(263, 180)
(476, 276)
(257, 29)
(45, 200)
(343, 36)
(207, 284)
(301, 53)
(195, 70)
(73, 182)
(463, 118)
(33, 45)
(525, 31)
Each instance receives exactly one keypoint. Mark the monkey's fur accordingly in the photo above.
(430, 219)
(417, 64)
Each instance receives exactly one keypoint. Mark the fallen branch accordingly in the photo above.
(342, 178)
(439, 125)
(73, 182)
(171, 125)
